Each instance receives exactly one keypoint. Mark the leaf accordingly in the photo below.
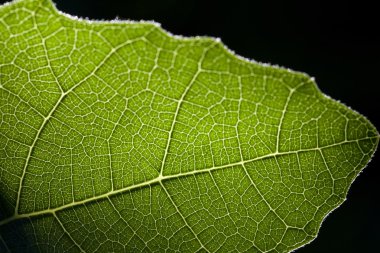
(116, 136)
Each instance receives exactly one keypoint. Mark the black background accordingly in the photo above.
(336, 42)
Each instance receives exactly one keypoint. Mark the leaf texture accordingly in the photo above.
(116, 136)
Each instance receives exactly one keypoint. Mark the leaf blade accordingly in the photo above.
(129, 110)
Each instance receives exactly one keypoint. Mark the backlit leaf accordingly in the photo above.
(116, 136)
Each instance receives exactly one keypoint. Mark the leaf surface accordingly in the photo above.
(116, 136)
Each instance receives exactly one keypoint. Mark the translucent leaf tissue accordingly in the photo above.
(119, 137)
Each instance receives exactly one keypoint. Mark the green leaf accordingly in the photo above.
(116, 136)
